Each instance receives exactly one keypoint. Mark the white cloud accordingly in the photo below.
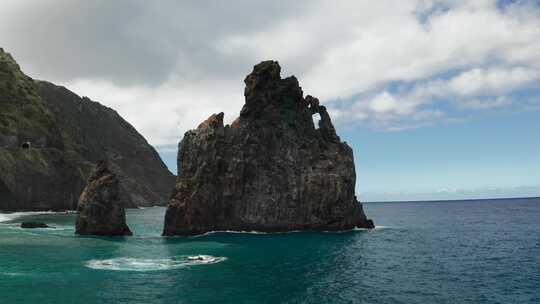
(480, 81)
(469, 34)
(164, 113)
(487, 81)
(482, 104)
(474, 89)
(383, 103)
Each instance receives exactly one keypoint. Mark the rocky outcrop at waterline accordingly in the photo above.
(34, 225)
(50, 140)
(101, 208)
(270, 170)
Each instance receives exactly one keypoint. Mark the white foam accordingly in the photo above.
(135, 264)
(287, 232)
(6, 217)
(52, 228)
(237, 232)
(368, 229)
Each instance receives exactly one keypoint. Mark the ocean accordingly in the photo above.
(477, 251)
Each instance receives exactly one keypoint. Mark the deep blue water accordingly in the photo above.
(422, 252)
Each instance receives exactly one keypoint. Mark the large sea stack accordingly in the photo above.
(101, 209)
(50, 139)
(270, 170)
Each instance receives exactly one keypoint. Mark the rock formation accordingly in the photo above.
(101, 205)
(34, 225)
(270, 170)
(50, 139)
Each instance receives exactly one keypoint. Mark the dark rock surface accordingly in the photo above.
(32, 225)
(101, 209)
(270, 170)
(50, 139)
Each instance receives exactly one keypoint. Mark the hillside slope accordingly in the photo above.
(50, 139)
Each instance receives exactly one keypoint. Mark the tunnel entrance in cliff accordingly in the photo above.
(26, 145)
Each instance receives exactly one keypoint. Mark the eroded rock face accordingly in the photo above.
(101, 209)
(270, 170)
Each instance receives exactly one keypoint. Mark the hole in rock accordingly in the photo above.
(316, 118)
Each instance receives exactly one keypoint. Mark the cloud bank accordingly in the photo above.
(390, 65)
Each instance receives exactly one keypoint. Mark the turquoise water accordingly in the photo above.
(433, 252)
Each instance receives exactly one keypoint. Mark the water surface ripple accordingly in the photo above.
(437, 252)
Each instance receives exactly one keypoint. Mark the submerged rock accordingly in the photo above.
(32, 225)
(101, 209)
(270, 170)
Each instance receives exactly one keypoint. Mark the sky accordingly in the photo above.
(438, 99)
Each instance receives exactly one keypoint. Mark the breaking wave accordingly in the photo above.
(6, 217)
(136, 264)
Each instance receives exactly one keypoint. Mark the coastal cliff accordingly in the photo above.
(50, 139)
(97, 132)
(270, 170)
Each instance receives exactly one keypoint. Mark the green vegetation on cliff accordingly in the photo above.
(23, 114)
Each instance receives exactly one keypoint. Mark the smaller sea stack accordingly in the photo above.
(101, 208)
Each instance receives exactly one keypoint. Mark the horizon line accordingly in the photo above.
(454, 200)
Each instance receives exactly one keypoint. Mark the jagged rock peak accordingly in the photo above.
(267, 92)
(271, 100)
(264, 73)
(270, 170)
(101, 209)
(213, 122)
